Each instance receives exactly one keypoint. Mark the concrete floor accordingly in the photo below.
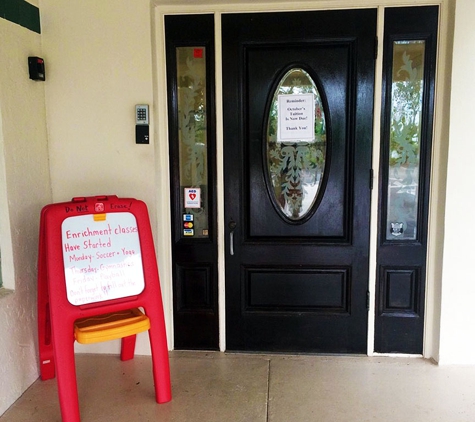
(209, 387)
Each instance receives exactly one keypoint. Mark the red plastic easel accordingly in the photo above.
(57, 315)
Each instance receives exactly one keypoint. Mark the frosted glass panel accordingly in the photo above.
(405, 138)
(192, 130)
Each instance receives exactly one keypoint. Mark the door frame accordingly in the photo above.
(439, 153)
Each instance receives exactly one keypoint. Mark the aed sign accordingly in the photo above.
(192, 198)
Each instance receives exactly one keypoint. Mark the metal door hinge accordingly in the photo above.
(371, 178)
(367, 300)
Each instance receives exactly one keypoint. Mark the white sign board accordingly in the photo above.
(102, 257)
(296, 118)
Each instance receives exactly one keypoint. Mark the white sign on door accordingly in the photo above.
(296, 118)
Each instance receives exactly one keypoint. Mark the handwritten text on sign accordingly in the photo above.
(296, 118)
(102, 258)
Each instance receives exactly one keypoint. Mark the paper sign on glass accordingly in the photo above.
(192, 198)
(296, 118)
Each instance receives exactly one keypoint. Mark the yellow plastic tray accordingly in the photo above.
(110, 326)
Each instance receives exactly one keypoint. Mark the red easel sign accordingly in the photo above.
(102, 257)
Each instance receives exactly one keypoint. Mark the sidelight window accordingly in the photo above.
(192, 132)
(407, 91)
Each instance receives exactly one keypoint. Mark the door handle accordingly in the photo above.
(232, 225)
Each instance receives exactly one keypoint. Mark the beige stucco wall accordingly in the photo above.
(99, 67)
(99, 58)
(457, 333)
(24, 189)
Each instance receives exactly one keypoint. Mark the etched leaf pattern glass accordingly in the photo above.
(405, 139)
(296, 168)
(192, 131)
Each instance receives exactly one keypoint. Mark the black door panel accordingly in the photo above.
(300, 285)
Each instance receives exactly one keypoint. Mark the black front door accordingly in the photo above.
(297, 276)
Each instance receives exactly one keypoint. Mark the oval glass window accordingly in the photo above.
(296, 144)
